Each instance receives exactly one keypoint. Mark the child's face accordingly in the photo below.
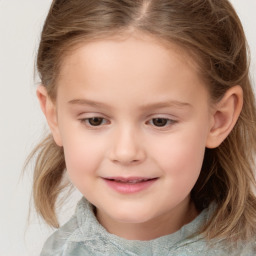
(133, 118)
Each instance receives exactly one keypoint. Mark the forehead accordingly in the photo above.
(129, 65)
(145, 47)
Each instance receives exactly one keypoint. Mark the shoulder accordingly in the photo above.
(57, 242)
(247, 248)
(199, 247)
(79, 236)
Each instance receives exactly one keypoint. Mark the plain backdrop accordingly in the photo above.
(22, 123)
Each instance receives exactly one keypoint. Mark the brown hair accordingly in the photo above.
(208, 29)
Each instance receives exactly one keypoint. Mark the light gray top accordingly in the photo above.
(83, 235)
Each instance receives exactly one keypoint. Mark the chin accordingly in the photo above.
(132, 216)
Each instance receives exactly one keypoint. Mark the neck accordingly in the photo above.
(159, 226)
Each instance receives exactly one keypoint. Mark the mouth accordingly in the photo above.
(130, 180)
(129, 185)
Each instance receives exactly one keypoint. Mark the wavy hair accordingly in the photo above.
(209, 30)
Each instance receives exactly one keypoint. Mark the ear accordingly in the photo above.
(225, 115)
(49, 109)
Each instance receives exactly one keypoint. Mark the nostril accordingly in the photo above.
(126, 149)
(126, 161)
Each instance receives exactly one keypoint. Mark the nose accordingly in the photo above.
(127, 147)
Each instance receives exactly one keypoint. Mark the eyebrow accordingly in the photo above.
(164, 104)
(161, 104)
(87, 102)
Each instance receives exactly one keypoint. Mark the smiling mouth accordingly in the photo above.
(130, 180)
(129, 185)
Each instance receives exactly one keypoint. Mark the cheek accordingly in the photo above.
(83, 155)
(182, 155)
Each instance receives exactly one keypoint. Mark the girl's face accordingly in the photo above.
(133, 118)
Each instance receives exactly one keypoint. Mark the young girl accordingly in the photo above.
(153, 119)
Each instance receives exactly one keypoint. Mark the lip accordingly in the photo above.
(129, 185)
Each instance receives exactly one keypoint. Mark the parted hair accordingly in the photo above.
(211, 32)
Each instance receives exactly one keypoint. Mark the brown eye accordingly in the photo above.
(160, 122)
(95, 121)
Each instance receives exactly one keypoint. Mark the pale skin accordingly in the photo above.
(135, 108)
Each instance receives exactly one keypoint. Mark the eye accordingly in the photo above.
(94, 121)
(161, 122)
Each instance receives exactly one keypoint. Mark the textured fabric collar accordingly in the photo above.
(91, 231)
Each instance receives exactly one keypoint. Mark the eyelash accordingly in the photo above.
(86, 121)
(102, 121)
(167, 122)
